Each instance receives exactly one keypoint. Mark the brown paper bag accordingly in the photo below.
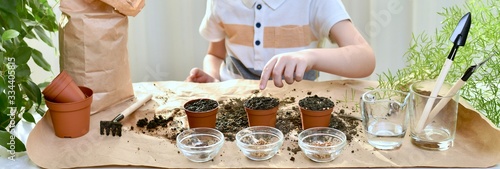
(93, 46)
(127, 7)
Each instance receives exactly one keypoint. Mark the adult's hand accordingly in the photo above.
(199, 76)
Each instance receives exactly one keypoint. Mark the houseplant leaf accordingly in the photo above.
(30, 34)
(8, 6)
(6, 139)
(40, 111)
(3, 85)
(10, 21)
(23, 72)
(46, 16)
(39, 60)
(19, 98)
(35, 6)
(21, 20)
(21, 10)
(22, 55)
(27, 105)
(28, 117)
(41, 33)
(4, 120)
(32, 91)
(4, 103)
(9, 34)
(43, 85)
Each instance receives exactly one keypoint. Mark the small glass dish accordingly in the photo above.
(259, 142)
(200, 144)
(322, 144)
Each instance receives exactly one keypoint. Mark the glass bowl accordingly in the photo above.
(259, 142)
(322, 144)
(200, 144)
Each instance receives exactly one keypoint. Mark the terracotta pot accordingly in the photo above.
(262, 117)
(71, 120)
(201, 118)
(312, 118)
(63, 90)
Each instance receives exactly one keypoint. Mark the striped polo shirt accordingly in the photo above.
(256, 30)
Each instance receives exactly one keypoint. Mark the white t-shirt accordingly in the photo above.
(256, 30)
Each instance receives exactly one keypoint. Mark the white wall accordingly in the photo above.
(164, 43)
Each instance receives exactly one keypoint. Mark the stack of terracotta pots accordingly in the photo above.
(69, 106)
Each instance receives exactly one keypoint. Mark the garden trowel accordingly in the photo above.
(458, 38)
(460, 82)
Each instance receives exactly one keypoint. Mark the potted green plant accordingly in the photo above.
(21, 20)
(427, 53)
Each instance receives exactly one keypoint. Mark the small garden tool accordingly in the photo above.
(460, 82)
(458, 38)
(114, 127)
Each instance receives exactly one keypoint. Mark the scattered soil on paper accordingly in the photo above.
(346, 123)
(165, 124)
(288, 116)
(232, 118)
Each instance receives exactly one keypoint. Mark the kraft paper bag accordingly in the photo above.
(93, 46)
(126, 7)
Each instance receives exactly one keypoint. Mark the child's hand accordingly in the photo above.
(199, 76)
(290, 65)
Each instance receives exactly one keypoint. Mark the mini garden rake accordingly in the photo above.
(114, 127)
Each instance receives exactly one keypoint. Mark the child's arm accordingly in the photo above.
(354, 58)
(211, 64)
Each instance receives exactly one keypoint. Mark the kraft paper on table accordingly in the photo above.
(476, 143)
(93, 45)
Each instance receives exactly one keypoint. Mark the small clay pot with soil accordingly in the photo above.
(315, 111)
(261, 111)
(201, 112)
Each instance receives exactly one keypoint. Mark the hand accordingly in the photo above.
(290, 65)
(199, 76)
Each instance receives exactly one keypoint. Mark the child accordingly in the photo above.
(277, 39)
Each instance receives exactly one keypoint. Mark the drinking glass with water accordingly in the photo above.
(385, 118)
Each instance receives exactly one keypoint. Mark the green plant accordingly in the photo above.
(427, 54)
(21, 20)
